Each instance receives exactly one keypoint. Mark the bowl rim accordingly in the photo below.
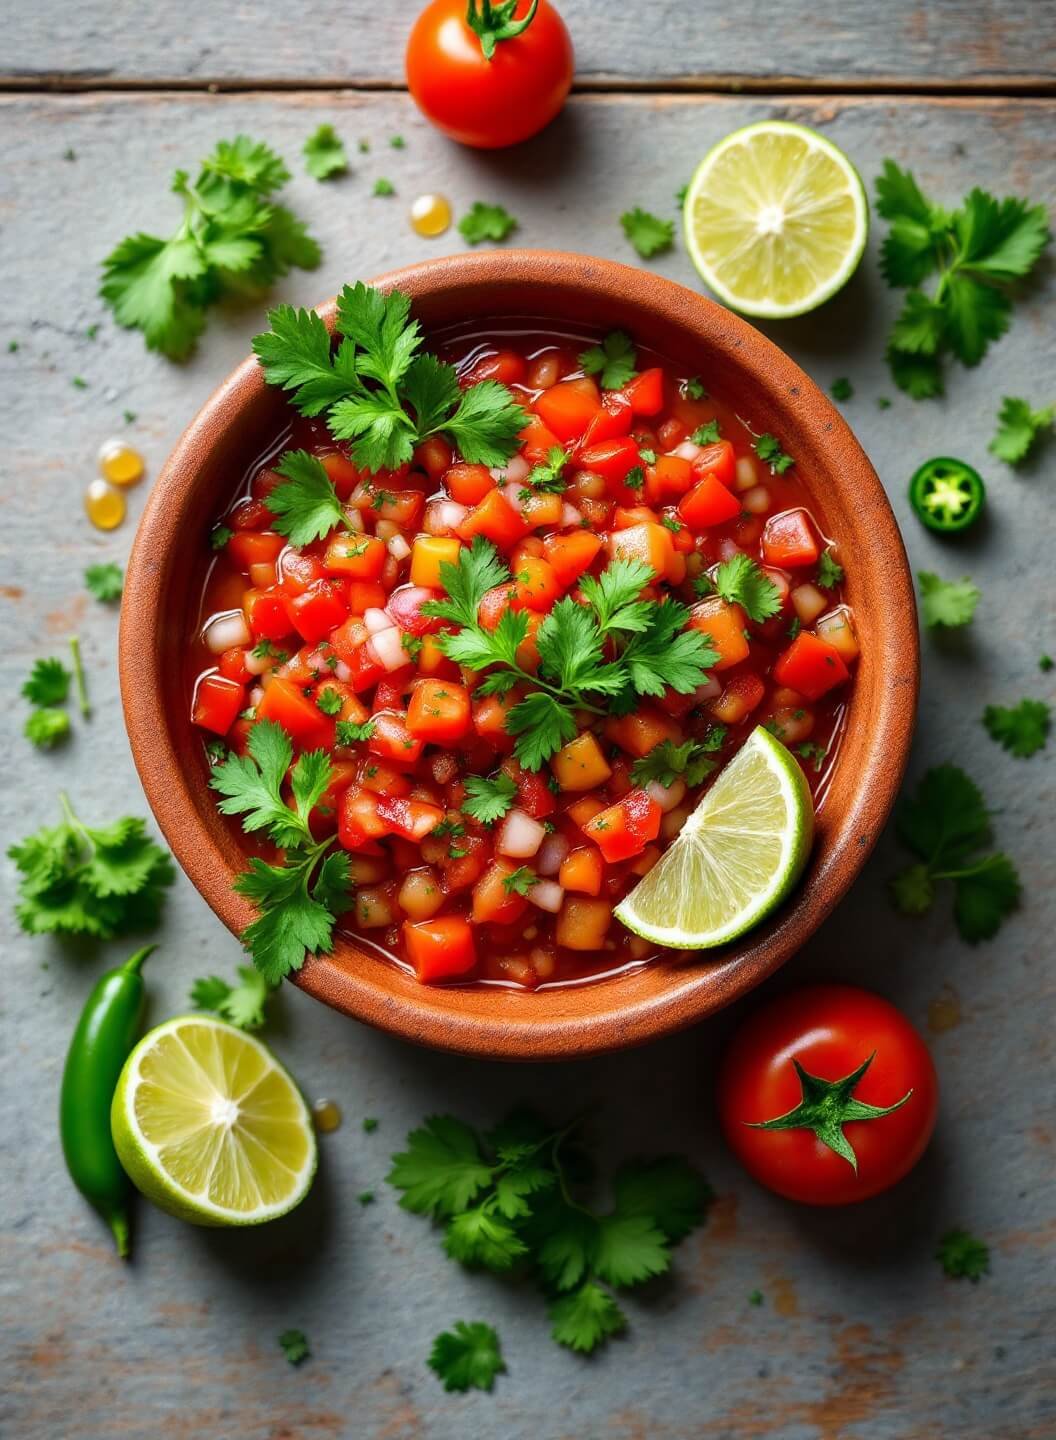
(572, 1020)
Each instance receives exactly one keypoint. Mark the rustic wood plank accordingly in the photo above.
(935, 43)
(860, 1337)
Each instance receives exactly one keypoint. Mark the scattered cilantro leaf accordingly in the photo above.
(324, 154)
(756, 1297)
(1045, 663)
(1022, 729)
(366, 1197)
(242, 1004)
(485, 222)
(383, 186)
(370, 1124)
(841, 389)
(294, 1345)
(706, 434)
(519, 881)
(48, 683)
(329, 701)
(694, 388)
(488, 800)
(549, 476)
(647, 233)
(741, 581)
(813, 754)
(351, 732)
(467, 1356)
(219, 537)
(105, 582)
(946, 602)
(1018, 427)
(306, 506)
(614, 360)
(768, 448)
(46, 727)
(830, 571)
(397, 142)
(586, 1318)
(668, 762)
(963, 1256)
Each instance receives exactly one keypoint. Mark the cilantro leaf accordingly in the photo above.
(329, 701)
(668, 1189)
(768, 448)
(983, 895)
(630, 1249)
(442, 1170)
(467, 1357)
(586, 1318)
(841, 389)
(946, 819)
(830, 571)
(488, 800)
(946, 602)
(542, 725)
(46, 727)
(324, 154)
(1022, 729)
(478, 1236)
(614, 360)
(1018, 426)
(912, 891)
(383, 186)
(485, 222)
(293, 923)
(306, 507)
(694, 388)
(349, 732)
(242, 1004)
(294, 1345)
(741, 581)
(647, 233)
(105, 582)
(519, 881)
(48, 683)
(963, 1256)
(487, 424)
(295, 354)
(548, 476)
(209, 992)
(614, 595)
(667, 762)
(478, 570)
(706, 434)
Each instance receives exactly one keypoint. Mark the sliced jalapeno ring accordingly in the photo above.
(947, 495)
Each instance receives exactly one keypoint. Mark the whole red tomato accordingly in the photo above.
(492, 74)
(782, 1071)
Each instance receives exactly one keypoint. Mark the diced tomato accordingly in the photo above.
(364, 595)
(572, 555)
(537, 440)
(297, 571)
(392, 740)
(390, 695)
(250, 515)
(724, 625)
(611, 459)
(366, 668)
(582, 870)
(297, 713)
(581, 764)
(568, 407)
(613, 419)
(646, 542)
(489, 718)
(342, 472)
(321, 607)
(413, 819)
(438, 712)
(708, 503)
(433, 456)
(233, 665)
(493, 902)
(439, 948)
(789, 540)
(496, 519)
(506, 366)
(468, 484)
(405, 607)
(534, 795)
(217, 702)
(267, 614)
(668, 478)
(541, 509)
(428, 554)
(583, 923)
(811, 666)
(741, 696)
(535, 585)
(646, 392)
(493, 605)
(403, 507)
(358, 820)
(717, 459)
(359, 557)
(642, 731)
(624, 829)
(254, 547)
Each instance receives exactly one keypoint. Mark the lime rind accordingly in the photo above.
(735, 859)
(776, 219)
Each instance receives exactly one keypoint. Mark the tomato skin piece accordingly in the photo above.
(789, 541)
(267, 614)
(830, 1030)
(488, 103)
(613, 420)
(297, 713)
(708, 503)
(646, 392)
(439, 948)
(568, 407)
(392, 740)
(217, 702)
(468, 484)
(495, 519)
(812, 666)
(322, 607)
(254, 547)
(717, 459)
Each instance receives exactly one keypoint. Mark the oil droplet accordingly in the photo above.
(120, 463)
(327, 1115)
(104, 506)
(430, 215)
(944, 1012)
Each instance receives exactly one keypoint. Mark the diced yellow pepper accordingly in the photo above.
(428, 553)
(580, 765)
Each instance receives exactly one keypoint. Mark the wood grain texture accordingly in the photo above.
(860, 1336)
(932, 43)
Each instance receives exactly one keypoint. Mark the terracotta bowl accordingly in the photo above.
(744, 368)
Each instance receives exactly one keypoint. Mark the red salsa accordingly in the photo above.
(468, 865)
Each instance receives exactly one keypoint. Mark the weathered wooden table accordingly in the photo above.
(860, 1336)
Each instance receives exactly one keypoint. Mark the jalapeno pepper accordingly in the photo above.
(105, 1033)
(947, 495)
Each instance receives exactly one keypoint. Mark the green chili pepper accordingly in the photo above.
(108, 1028)
(947, 495)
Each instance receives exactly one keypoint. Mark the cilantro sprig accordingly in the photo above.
(324, 154)
(963, 1255)
(243, 1004)
(691, 761)
(651, 647)
(949, 603)
(946, 824)
(467, 1356)
(1018, 427)
(488, 800)
(549, 475)
(1021, 729)
(104, 582)
(647, 232)
(378, 389)
(768, 448)
(294, 1345)
(740, 581)
(485, 222)
(978, 252)
(614, 360)
(511, 1202)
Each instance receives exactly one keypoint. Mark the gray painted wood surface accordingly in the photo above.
(933, 43)
(860, 1336)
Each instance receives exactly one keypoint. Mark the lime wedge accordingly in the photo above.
(776, 219)
(210, 1126)
(736, 857)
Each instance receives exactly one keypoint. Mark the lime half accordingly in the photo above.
(735, 859)
(776, 219)
(210, 1126)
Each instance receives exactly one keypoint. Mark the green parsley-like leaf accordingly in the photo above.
(487, 424)
(251, 785)
(519, 881)
(479, 569)
(219, 537)
(48, 683)
(46, 727)
(583, 1320)
(383, 186)
(768, 448)
(647, 233)
(841, 389)
(912, 890)
(983, 895)
(467, 1357)
(478, 1236)
(295, 353)
(324, 154)
(694, 388)
(294, 1345)
(963, 1256)
(706, 434)
(550, 475)
(351, 732)
(442, 1170)
(242, 1004)
(668, 1189)
(542, 725)
(667, 762)
(946, 602)
(946, 819)
(329, 701)
(488, 800)
(741, 581)
(306, 507)
(105, 582)
(485, 222)
(1018, 426)
(614, 595)
(830, 571)
(1022, 729)
(630, 1249)
(614, 360)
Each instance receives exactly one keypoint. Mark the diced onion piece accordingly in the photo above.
(808, 602)
(551, 853)
(793, 726)
(710, 690)
(570, 515)
(513, 472)
(224, 632)
(420, 895)
(366, 869)
(257, 664)
(374, 908)
(687, 450)
(547, 894)
(256, 695)
(342, 672)
(443, 517)
(666, 796)
(745, 475)
(838, 629)
(520, 836)
(387, 647)
(756, 500)
(354, 519)
(377, 620)
(397, 546)
(386, 529)
(728, 549)
(515, 496)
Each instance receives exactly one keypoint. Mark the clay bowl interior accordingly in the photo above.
(242, 418)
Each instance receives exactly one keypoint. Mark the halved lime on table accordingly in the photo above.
(210, 1126)
(776, 219)
(736, 857)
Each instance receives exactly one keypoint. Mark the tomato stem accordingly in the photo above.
(491, 23)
